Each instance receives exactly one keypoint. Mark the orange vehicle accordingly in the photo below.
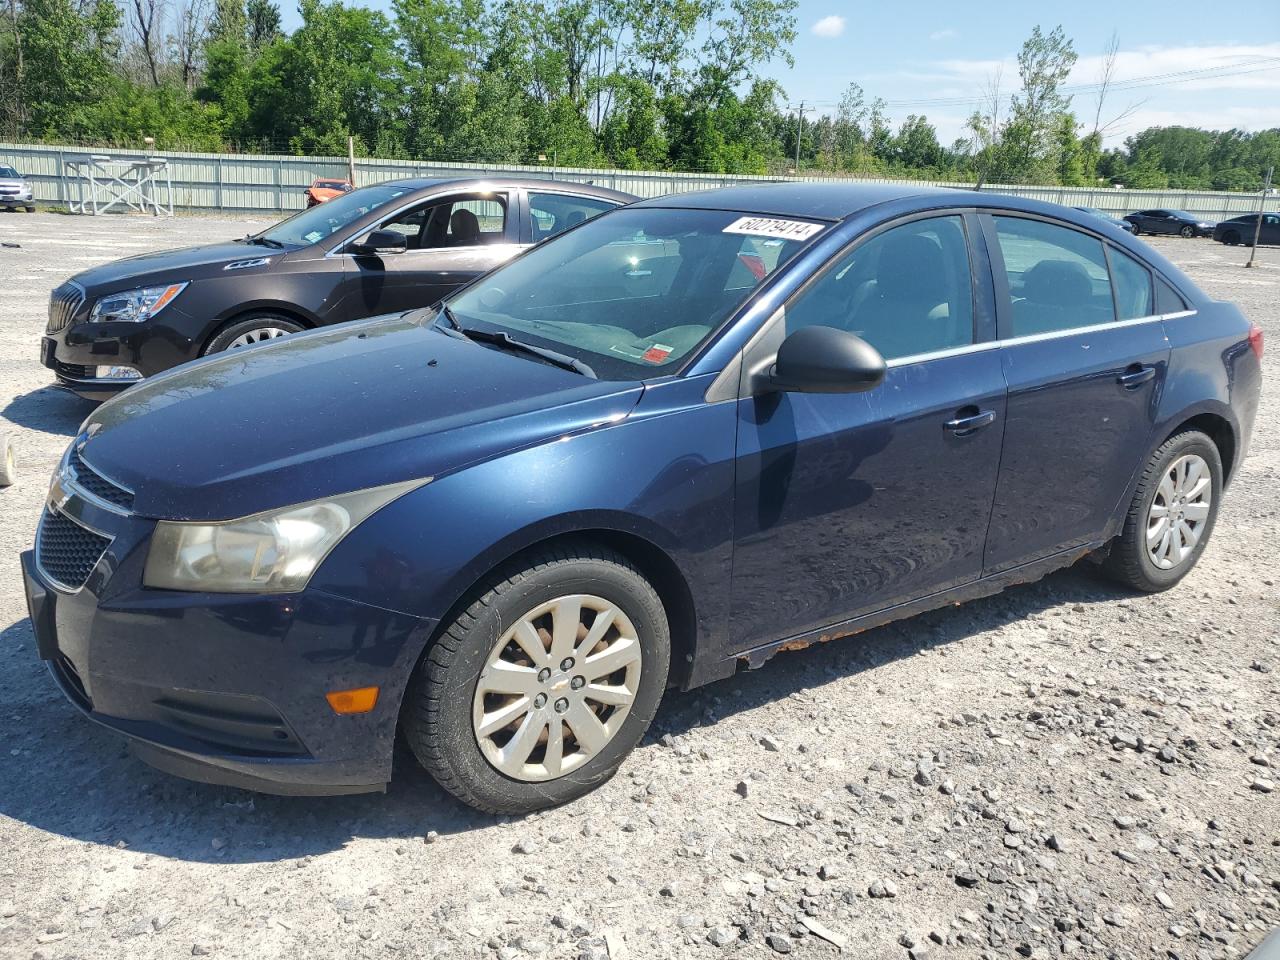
(322, 190)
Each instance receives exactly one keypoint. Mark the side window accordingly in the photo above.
(1167, 299)
(1057, 277)
(469, 222)
(1132, 282)
(555, 213)
(905, 291)
(410, 223)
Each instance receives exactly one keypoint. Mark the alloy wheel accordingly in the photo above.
(556, 687)
(1179, 511)
(256, 335)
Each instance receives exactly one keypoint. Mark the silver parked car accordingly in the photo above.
(15, 191)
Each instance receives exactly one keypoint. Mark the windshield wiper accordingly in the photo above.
(506, 341)
(264, 241)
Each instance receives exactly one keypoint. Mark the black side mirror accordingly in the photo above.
(823, 360)
(380, 242)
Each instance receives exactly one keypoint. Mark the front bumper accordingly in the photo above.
(73, 347)
(13, 200)
(227, 689)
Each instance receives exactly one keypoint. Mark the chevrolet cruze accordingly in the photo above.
(675, 440)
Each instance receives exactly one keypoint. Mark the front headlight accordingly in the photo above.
(135, 305)
(273, 552)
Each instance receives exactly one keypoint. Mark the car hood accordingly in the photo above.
(331, 411)
(169, 266)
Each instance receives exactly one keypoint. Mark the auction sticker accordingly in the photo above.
(657, 353)
(769, 227)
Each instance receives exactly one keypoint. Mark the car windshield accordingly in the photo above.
(8, 173)
(330, 184)
(633, 292)
(1183, 215)
(314, 224)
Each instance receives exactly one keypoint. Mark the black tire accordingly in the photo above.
(1187, 233)
(262, 321)
(1231, 238)
(31, 209)
(1128, 562)
(437, 712)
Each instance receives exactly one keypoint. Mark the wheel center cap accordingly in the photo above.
(560, 682)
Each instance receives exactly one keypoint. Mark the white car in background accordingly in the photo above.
(15, 191)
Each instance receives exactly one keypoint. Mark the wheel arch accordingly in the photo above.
(1219, 429)
(653, 562)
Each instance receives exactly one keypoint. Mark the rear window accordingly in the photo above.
(1058, 277)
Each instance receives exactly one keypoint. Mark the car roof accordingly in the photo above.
(812, 200)
(497, 181)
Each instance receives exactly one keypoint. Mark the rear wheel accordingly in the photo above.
(1187, 232)
(251, 331)
(535, 694)
(1171, 515)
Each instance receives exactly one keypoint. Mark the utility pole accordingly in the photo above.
(1262, 207)
(800, 133)
(351, 161)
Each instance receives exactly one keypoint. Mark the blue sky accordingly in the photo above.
(948, 51)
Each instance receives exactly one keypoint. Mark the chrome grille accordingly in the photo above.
(64, 301)
(66, 551)
(95, 484)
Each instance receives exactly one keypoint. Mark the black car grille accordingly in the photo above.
(74, 371)
(92, 482)
(66, 551)
(64, 301)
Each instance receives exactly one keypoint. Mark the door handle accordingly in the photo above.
(1135, 376)
(971, 422)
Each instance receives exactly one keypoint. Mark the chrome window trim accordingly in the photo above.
(441, 197)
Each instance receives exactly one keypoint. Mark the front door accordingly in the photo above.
(450, 241)
(1085, 357)
(850, 503)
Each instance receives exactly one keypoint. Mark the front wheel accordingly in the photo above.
(1171, 515)
(1187, 233)
(535, 694)
(253, 330)
(1231, 238)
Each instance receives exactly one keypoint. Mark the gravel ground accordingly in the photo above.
(1064, 768)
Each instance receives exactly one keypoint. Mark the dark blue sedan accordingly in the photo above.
(672, 442)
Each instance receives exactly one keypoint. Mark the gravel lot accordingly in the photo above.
(1060, 769)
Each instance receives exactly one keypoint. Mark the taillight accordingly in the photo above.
(1255, 340)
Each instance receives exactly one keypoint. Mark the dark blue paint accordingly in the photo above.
(768, 519)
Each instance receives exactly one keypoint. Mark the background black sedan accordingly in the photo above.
(1172, 222)
(1242, 229)
(384, 248)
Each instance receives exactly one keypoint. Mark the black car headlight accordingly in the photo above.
(135, 305)
(272, 552)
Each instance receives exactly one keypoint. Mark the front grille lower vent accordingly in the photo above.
(89, 480)
(64, 301)
(66, 551)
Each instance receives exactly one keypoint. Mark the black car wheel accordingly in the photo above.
(250, 331)
(538, 690)
(1187, 232)
(1231, 238)
(1171, 515)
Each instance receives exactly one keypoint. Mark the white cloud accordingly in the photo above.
(946, 34)
(832, 26)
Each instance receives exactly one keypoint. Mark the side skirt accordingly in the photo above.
(985, 587)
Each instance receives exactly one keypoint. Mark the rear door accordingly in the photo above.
(450, 241)
(551, 212)
(1084, 355)
(850, 503)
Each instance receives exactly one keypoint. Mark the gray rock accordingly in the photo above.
(881, 889)
(778, 942)
(720, 936)
(201, 948)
